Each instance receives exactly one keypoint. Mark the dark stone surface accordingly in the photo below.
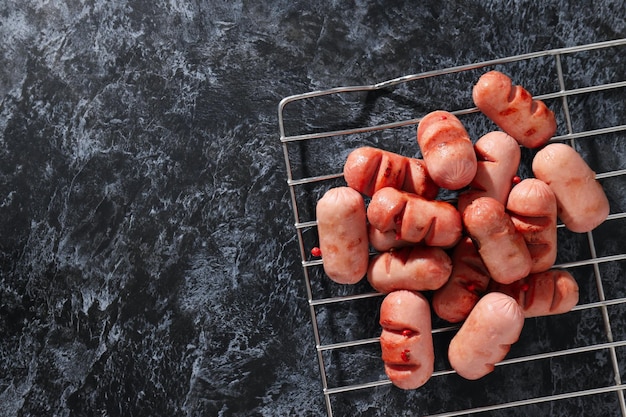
(148, 259)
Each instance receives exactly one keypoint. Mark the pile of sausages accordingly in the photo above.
(487, 261)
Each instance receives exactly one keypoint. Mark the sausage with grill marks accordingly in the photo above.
(447, 150)
(415, 219)
(468, 281)
(532, 207)
(369, 169)
(501, 247)
(406, 339)
(498, 160)
(417, 268)
(513, 109)
(582, 204)
(542, 294)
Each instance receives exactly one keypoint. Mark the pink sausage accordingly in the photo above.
(447, 150)
(416, 268)
(486, 336)
(543, 294)
(415, 219)
(498, 160)
(501, 247)
(582, 204)
(532, 207)
(368, 169)
(342, 231)
(468, 281)
(513, 109)
(406, 339)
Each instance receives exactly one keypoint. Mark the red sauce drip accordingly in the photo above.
(525, 287)
(516, 180)
(317, 252)
(407, 333)
(405, 355)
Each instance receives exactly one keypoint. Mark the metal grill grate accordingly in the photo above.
(585, 86)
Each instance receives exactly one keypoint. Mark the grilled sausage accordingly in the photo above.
(498, 160)
(513, 109)
(416, 268)
(501, 247)
(342, 231)
(467, 283)
(486, 336)
(582, 204)
(447, 150)
(532, 207)
(369, 169)
(415, 219)
(406, 339)
(543, 294)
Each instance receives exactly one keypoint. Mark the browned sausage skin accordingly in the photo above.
(406, 339)
(485, 338)
(501, 247)
(532, 207)
(415, 219)
(342, 232)
(416, 268)
(543, 294)
(369, 169)
(498, 160)
(447, 150)
(513, 109)
(581, 202)
(467, 283)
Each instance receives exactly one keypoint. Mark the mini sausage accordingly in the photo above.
(468, 281)
(342, 232)
(416, 268)
(485, 338)
(582, 204)
(532, 207)
(447, 150)
(513, 109)
(501, 247)
(498, 160)
(369, 169)
(406, 339)
(543, 294)
(415, 219)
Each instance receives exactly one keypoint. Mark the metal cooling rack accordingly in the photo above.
(300, 183)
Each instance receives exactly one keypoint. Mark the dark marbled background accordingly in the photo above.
(148, 259)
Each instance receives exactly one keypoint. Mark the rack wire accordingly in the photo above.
(585, 85)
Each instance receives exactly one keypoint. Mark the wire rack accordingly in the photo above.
(567, 364)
